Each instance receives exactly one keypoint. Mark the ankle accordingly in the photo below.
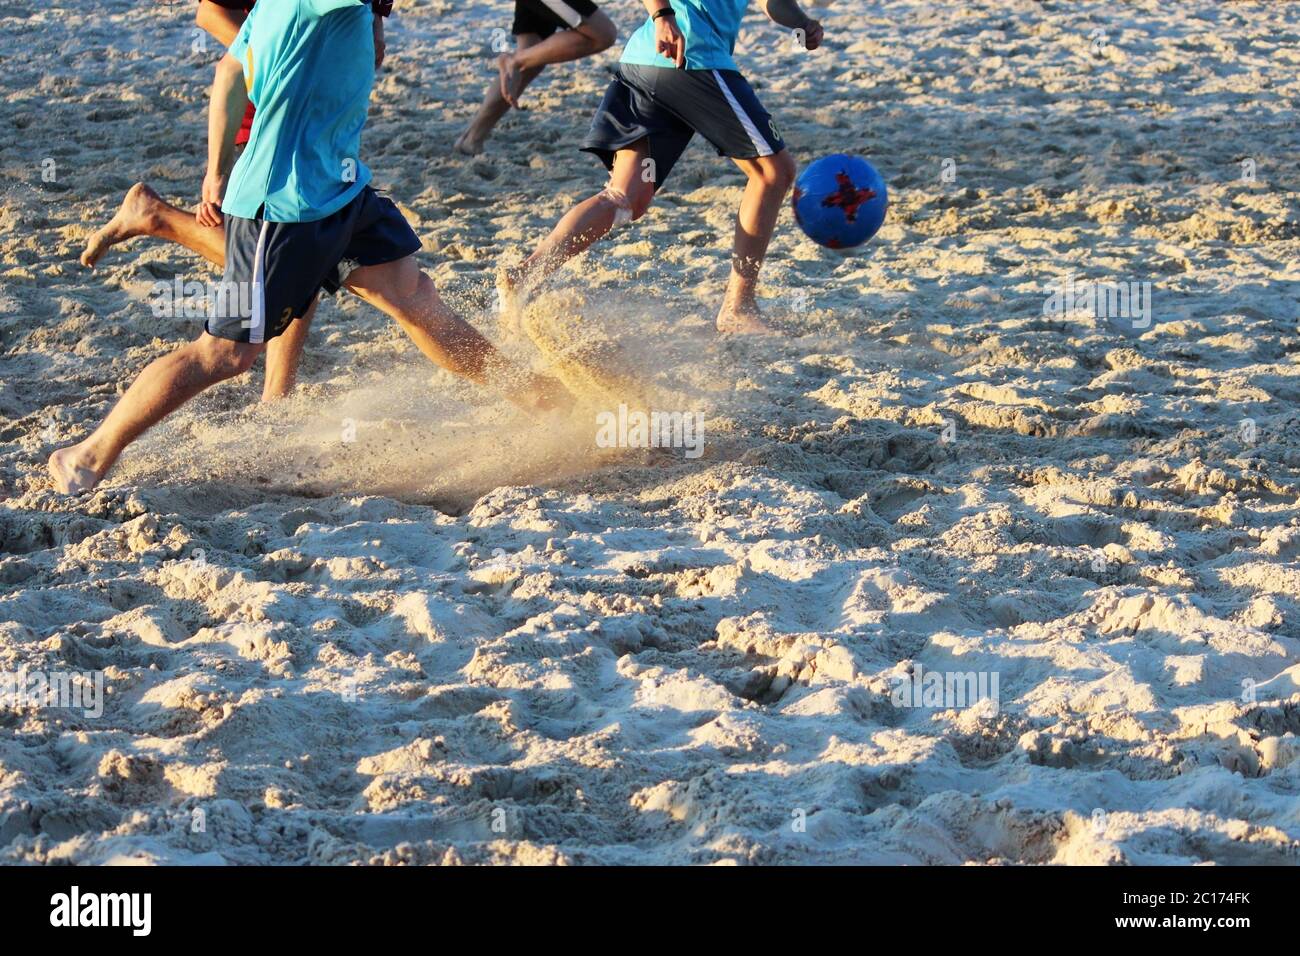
(274, 391)
(152, 223)
(147, 207)
(741, 294)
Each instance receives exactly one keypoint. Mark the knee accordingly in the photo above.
(241, 360)
(642, 196)
(396, 292)
(777, 172)
(602, 31)
(226, 359)
(408, 286)
(627, 206)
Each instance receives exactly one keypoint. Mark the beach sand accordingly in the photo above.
(391, 620)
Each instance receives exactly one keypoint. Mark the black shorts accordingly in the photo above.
(670, 106)
(274, 270)
(544, 17)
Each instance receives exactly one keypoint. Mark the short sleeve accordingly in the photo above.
(240, 46)
(322, 7)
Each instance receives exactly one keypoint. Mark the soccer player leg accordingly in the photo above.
(626, 197)
(725, 109)
(378, 265)
(144, 213)
(405, 293)
(530, 28)
(284, 353)
(165, 384)
(587, 31)
(631, 186)
(770, 179)
(639, 144)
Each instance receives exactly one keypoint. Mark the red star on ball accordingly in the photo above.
(848, 197)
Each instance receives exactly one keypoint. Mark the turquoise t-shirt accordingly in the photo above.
(309, 66)
(710, 28)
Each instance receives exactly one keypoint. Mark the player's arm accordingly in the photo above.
(222, 22)
(787, 13)
(225, 115)
(668, 39)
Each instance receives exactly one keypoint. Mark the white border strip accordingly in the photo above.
(760, 144)
(565, 12)
(257, 324)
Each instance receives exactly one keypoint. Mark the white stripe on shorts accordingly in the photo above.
(760, 144)
(565, 12)
(257, 322)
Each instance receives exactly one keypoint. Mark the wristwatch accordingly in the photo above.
(382, 8)
(665, 12)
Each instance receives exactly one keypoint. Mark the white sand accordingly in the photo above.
(465, 637)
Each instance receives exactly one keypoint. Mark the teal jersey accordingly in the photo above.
(710, 28)
(309, 66)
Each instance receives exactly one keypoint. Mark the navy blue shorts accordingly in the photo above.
(544, 17)
(669, 106)
(275, 270)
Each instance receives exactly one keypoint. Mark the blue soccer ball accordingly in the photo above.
(840, 201)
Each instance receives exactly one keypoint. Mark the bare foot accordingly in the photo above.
(468, 145)
(742, 318)
(134, 218)
(512, 79)
(545, 394)
(72, 472)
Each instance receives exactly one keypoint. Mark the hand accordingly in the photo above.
(812, 34)
(380, 48)
(209, 210)
(669, 41)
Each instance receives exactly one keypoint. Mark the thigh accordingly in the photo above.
(229, 355)
(598, 26)
(628, 116)
(386, 282)
(572, 12)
